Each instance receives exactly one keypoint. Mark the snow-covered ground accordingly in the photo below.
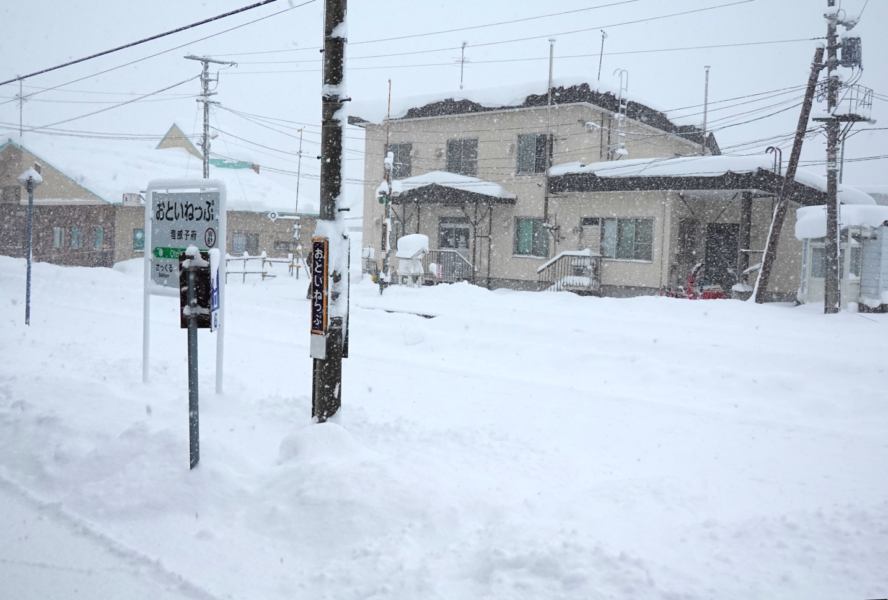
(517, 445)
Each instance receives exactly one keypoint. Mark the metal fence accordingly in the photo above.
(250, 267)
(449, 266)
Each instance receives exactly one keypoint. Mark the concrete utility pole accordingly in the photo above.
(761, 284)
(327, 370)
(831, 299)
(546, 159)
(383, 277)
(705, 112)
(21, 102)
(205, 98)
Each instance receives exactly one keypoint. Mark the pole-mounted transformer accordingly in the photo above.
(851, 52)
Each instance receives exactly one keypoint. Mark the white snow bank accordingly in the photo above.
(703, 166)
(811, 220)
(493, 97)
(451, 180)
(411, 245)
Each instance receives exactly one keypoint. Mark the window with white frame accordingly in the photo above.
(627, 239)
(532, 153)
(58, 237)
(138, 240)
(402, 166)
(462, 156)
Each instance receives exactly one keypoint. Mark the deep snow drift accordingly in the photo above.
(516, 445)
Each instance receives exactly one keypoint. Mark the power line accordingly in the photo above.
(306, 2)
(558, 14)
(506, 60)
(142, 41)
(526, 38)
(115, 106)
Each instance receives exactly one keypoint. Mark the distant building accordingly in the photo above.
(90, 212)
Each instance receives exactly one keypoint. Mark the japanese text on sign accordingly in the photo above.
(319, 286)
(185, 210)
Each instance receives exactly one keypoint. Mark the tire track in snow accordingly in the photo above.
(161, 574)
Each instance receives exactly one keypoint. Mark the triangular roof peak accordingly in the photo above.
(176, 138)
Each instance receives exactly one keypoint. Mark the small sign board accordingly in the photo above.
(215, 289)
(179, 220)
(384, 245)
(319, 247)
(202, 283)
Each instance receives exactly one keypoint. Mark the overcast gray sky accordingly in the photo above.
(278, 74)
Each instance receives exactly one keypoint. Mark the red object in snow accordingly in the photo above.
(695, 290)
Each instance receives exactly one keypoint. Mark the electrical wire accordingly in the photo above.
(510, 41)
(306, 2)
(115, 106)
(142, 41)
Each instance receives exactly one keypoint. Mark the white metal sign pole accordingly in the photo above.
(192, 212)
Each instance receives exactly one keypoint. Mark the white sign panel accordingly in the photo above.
(178, 220)
(181, 213)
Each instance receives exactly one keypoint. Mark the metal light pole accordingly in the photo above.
(705, 113)
(30, 179)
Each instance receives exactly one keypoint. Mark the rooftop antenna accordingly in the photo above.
(462, 63)
(705, 112)
(622, 105)
(601, 56)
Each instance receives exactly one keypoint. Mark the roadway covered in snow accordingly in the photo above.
(516, 445)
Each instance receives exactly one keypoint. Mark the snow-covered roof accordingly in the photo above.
(110, 168)
(410, 246)
(811, 220)
(503, 96)
(685, 166)
(451, 180)
(703, 166)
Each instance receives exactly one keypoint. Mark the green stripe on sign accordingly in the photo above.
(161, 252)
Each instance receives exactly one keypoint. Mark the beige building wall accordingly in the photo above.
(127, 220)
(497, 134)
(56, 187)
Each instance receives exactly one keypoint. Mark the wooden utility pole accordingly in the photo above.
(831, 299)
(761, 284)
(330, 237)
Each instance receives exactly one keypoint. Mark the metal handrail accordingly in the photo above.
(572, 272)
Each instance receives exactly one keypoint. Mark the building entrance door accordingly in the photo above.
(453, 234)
(722, 246)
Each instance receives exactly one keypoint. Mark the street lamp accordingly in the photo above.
(30, 179)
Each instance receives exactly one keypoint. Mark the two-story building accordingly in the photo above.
(638, 193)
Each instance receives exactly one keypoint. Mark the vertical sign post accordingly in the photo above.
(195, 302)
(180, 213)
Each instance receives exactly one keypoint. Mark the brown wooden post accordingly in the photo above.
(761, 285)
